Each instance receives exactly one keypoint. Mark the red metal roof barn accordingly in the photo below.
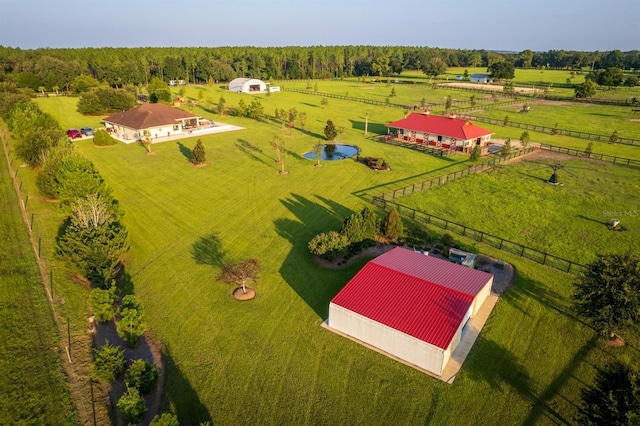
(411, 306)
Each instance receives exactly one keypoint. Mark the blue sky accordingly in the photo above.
(515, 25)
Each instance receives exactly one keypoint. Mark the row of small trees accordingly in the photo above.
(358, 230)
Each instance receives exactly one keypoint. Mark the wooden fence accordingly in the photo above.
(500, 243)
(553, 130)
(622, 161)
(441, 180)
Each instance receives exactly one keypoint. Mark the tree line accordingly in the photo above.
(67, 69)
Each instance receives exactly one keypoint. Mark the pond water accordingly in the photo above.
(340, 153)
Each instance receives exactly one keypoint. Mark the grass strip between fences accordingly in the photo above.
(553, 130)
(500, 243)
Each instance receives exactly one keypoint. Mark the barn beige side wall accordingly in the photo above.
(387, 339)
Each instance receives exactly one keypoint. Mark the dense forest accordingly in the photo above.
(58, 69)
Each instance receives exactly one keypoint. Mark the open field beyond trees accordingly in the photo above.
(268, 360)
(32, 380)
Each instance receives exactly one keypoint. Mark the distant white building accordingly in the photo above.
(247, 85)
(481, 78)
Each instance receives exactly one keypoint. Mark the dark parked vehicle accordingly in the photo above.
(87, 131)
(74, 134)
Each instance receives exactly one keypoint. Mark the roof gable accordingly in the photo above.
(394, 290)
(149, 115)
(439, 125)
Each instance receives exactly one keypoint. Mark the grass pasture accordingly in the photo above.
(32, 382)
(268, 361)
(515, 202)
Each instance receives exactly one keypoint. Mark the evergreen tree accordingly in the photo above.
(614, 137)
(330, 132)
(142, 376)
(132, 406)
(393, 227)
(108, 363)
(506, 148)
(198, 154)
(588, 150)
(475, 153)
(221, 102)
(524, 139)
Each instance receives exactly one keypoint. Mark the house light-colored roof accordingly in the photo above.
(149, 115)
(438, 125)
(421, 296)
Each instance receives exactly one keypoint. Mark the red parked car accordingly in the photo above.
(74, 134)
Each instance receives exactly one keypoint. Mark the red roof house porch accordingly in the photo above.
(449, 133)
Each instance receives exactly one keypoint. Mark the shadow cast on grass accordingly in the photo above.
(254, 152)
(314, 284)
(180, 395)
(498, 367)
(185, 151)
(208, 251)
(376, 128)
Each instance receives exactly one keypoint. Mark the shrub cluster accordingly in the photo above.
(360, 230)
(102, 138)
(106, 99)
(376, 163)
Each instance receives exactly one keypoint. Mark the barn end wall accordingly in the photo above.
(481, 297)
(393, 342)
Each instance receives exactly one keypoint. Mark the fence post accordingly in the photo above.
(32, 216)
(26, 201)
(501, 242)
(51, 283)
(522, 252)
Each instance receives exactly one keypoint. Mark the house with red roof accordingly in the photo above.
(450, 132)
(410, 306)
(160, 120)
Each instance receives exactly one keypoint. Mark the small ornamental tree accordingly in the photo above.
(293, 113)
(220, 107)
(555, 130)
(108, 363)
(506, 148)
(142, 376)
(588, 150)
(317, 152)
(505, 122)
(393, 93)
(102, 302)
(324, 102)
(614, 137)
(330, 132)
(198, 154)
(240, 272)
(448, 102)
(130, 326)
(132, 406)
(392, 225)
(614, 399)
(241, 109)
(608, 293)
(302, 119)
(476, 153)
(146, 141)
(278, 145)
(472, 100)
(524, 139)
(331, 244)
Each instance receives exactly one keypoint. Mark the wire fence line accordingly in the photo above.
(498, 242)
(79, 379)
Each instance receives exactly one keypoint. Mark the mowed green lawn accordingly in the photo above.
(268, 360)
(514, 201)
(33, 389)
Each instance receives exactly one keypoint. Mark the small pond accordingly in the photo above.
(339, 153)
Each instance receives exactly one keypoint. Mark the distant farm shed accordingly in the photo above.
(481, 78)
(411, 306)
(247, 85)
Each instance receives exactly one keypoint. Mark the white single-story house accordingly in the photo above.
(410, 306)
(440, 132)
(247, 85)
(481, 78)
(160, 120)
